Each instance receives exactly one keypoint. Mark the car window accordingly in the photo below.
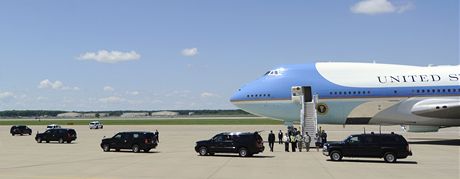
(125, 136)
(353, 140)
(228, 138)
(218, 138)
(390, 139)
(369, 139)
(118, 136)
(48, 131)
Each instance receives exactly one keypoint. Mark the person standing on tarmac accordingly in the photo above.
(317, 141)
(323, 137)
(271, 140)
(280, 137)
(286, 140)
(157, 136)
(299, 139)
(293, 142)
(307, 140)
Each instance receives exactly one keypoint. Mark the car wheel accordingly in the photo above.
(105, 147)
(47, 141)
(21, 134)
(39, 140)
(69, 141)
(61, 140)
(211, 153)
(146, 150)
(30, 133)
(135, 148)
(389, 157)
(12, 134)
(203, 151)
(102, 127)
(117, 150)
(243, 152)
(336, 155)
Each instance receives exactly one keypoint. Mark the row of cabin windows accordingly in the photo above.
(436, 90)
(349, 92)
(395, 91)
(258, 95)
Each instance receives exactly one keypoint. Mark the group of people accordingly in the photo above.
(297, 140)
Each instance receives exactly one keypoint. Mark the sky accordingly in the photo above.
(157, 55)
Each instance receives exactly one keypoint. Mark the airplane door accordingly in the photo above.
(307, 92)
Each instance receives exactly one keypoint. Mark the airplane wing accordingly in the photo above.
(447, 108)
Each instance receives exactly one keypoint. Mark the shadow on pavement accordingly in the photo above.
(236, 156)
(452, 142)
(375, 161)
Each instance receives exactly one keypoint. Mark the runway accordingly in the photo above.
(436, 155)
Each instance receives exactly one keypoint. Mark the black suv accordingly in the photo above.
(130, 140)
(20, 129)
(389, 146)
(243, 143)
(58, 134)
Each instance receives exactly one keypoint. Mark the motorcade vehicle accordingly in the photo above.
(96, 125)
(57, 134)
(390, 147)
(20, 129)
(244, 143)
(134, 140)
(53, 126)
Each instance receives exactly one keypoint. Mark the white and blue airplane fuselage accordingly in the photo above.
(423, 98)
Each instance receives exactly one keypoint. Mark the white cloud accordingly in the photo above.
(179, 93)
(57, 85)
(190, 52)
(5, 95)
(111, 99)
(108, 88)
(208, 94)
(134, 93)
(105, 56)
(372, 7)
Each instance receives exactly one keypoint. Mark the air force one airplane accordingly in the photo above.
(422, 99)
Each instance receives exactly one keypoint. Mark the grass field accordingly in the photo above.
(242, 121)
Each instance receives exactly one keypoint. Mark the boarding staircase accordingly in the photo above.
(309, 119)
(308, 115)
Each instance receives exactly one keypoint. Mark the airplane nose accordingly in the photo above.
(236, 96)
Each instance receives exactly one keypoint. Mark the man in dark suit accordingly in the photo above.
(280, 137)
(271, 140)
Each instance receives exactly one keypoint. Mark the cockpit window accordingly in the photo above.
(275, 72)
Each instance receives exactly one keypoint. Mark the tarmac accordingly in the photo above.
(435, 155)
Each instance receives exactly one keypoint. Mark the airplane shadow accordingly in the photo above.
(434, 141)
(374, 161)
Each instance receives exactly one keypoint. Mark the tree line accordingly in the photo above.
(54, 113)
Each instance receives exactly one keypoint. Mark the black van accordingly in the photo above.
(243, 143)
(387, 146)
(130, 140)
(58, 134)
(20, 129)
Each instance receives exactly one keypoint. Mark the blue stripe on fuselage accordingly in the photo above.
(279, 87)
